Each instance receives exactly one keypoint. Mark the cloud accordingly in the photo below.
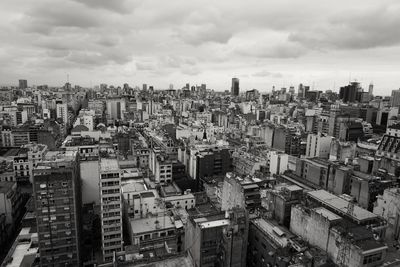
(265, 73)
(180, 41)
(283, 50)
(192, 71)
(45, 18)
(145, 66)
(354, 29)
(119, 6)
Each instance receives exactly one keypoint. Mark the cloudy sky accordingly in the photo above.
(264, 43)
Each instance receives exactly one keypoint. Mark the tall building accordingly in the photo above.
(23, 84)
(57, 199)
(144, 87)
(348, 93)
(116, 108)
(62, 112)
(235, 87)
(318, 145)
(111, 208)
(395, 99)
(300, 92)
(218, 240)
(371, 89)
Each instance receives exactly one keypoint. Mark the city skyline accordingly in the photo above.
(263, 44)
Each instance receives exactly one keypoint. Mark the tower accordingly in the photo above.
(235, 87)
(57, 196)
(111, 208)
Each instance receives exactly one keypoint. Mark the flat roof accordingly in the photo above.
(134, 186)
(212, 224)
(327, 214)
(278, 234)
(109, 165)
(340, 204)
(145, 225)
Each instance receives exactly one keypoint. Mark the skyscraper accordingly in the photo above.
(371, 89)
(111, 207)
(235, 87)
(300, 92)
(348, 93)
(395, 99)
(57, 196)
(23, 84)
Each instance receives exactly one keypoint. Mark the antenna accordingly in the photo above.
(67, 78)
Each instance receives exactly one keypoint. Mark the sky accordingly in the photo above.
(264, 43)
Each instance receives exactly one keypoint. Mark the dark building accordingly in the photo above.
(212, 162)
(354, 131)
(217, 239)
(312, 96)
(269, 244)
(348, 93)
(57, 196)
(23, 84)
(287, 140)
(235, 87)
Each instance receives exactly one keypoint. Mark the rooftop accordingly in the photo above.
(327, 214)
(137, 186)
(278, 234)
(341, 205)
(109, 164)
(151, 224)
(212, 224)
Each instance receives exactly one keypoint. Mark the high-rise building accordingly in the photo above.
(318, 145)
(300, 92)
(235, 87)
(348, 93)
(116, 108)
(62, 112)
(57, 196)
(144, 87)
(395, 99)
(111, 208)
(23, 84)
(371, 89)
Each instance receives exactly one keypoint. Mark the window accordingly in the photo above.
(372, 258)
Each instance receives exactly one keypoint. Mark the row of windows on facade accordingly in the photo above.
(109, 175)
(110, 191)
(53, 209)
(50, 185)
(156, 235)
(55, 218)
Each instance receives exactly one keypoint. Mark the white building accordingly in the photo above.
(318, 145)
(278, 162)
(116, 108)
(62, 112)
(139, 201)
(388, 207)
(111, 208)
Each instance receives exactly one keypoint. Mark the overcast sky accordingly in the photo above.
(264, 43)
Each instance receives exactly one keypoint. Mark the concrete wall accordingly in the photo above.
(312, 227)
(90, 182)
